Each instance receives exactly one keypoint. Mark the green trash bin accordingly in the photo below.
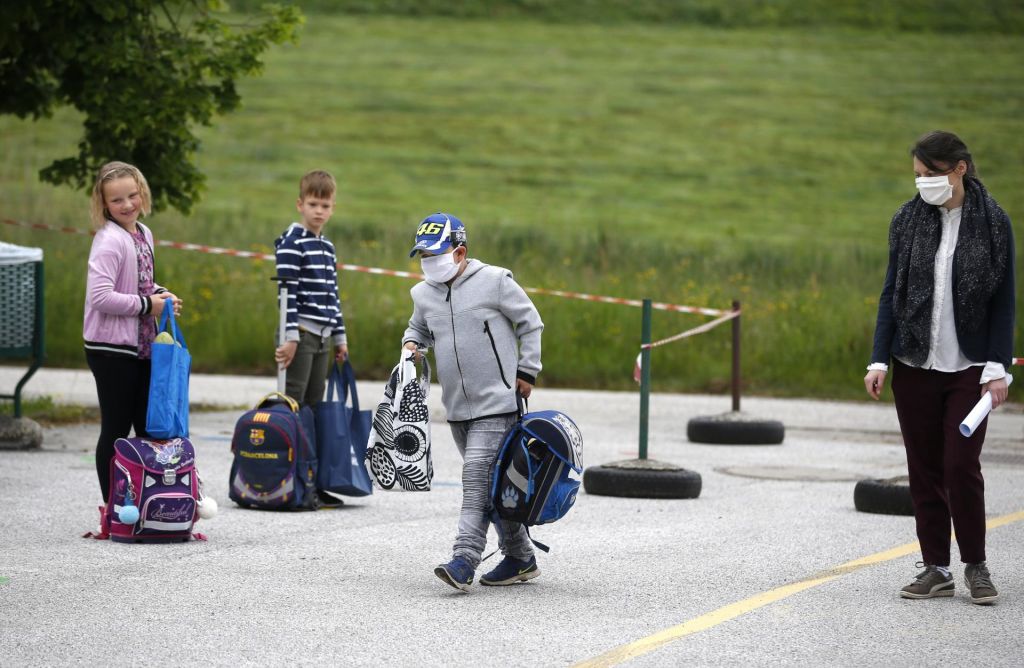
(21, 311)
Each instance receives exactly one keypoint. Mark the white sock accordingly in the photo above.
(943, 570)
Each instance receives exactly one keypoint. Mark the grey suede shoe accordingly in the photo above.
(929, 583)
(983, 592)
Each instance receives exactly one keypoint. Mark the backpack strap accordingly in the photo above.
(497, 525)
(104, 530)
(524, 446)
(275, 398)
(522, 406)
(537, 544)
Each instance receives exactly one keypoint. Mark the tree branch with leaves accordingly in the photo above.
(144, 73)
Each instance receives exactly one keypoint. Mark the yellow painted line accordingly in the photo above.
(647, 645)
(997, 522)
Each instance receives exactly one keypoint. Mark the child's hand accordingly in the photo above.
(341, 353)
(157, 302)
(523, 388)
(411, 345)
(160, 301)
(174, 300)
(285, 353)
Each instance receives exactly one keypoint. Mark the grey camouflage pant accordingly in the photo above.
(478, 442)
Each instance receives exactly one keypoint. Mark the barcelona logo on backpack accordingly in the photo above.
(536, 474)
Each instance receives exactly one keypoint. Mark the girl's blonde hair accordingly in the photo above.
(108, 172)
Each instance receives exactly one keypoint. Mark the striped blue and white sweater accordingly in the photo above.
(308, 264)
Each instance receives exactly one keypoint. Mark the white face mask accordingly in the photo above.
(935, 190)
(440, 268)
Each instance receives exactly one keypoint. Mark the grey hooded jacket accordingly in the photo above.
(485, 333)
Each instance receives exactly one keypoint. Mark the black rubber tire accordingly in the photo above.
(642, 483)
(719, 430)
(884, 497)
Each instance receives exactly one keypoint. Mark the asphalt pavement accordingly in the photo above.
(766, 567)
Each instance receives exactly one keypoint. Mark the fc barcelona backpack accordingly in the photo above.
(275, 461)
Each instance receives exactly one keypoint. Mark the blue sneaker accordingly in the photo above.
(457, 572)
(511, 571)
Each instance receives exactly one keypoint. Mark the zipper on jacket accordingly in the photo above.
(487, 331)
(455, 347)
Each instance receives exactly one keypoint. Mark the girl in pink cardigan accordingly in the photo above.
(122, 302)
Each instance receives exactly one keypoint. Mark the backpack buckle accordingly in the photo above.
(170, 476)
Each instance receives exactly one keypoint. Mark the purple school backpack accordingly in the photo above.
(159, 478)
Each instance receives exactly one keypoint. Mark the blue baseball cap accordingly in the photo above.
(437, 233)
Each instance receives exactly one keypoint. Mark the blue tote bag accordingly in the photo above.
(342, 432)
(167, 414)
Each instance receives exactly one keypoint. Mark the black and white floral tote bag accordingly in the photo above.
(398, 451)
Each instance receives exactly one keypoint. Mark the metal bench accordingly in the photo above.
(21, 311)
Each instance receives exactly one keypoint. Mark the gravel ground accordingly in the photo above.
(354, 586)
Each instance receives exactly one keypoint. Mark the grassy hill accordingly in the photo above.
(689, 164)
(942, 16)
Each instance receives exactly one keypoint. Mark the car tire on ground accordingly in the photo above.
(890, 496)
(735, 428)
(643, 479)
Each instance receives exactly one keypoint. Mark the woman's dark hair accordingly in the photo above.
(939, 151)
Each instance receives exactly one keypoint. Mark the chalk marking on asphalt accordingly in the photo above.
(4, 580)
(624, 653)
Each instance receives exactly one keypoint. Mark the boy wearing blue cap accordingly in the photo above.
(485, 333)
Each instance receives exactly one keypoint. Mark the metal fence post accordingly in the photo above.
(736, 358)
(645, 376)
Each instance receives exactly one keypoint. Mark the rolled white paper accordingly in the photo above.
(979, 412)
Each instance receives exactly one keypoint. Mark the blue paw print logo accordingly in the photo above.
(509, 498)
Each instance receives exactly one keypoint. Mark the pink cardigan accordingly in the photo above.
(112, 302)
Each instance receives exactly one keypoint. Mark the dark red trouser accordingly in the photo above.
(945, 467)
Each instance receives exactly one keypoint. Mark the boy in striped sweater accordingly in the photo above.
(306, 259)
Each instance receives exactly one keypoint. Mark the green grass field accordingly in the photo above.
(689, 164)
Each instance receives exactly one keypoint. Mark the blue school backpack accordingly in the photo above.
(536, 474)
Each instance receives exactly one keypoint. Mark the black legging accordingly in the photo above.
(122, 385)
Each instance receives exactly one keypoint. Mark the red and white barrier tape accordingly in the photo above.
(214, 250)
(660, 306)
(696, 330)
(638, 366)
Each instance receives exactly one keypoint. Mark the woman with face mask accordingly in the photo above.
(945, 317)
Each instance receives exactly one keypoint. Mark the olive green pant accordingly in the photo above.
(307, 374)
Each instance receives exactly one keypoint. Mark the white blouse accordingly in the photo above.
(944, 352)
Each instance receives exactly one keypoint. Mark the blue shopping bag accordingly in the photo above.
(342, 432)
(167, 414)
